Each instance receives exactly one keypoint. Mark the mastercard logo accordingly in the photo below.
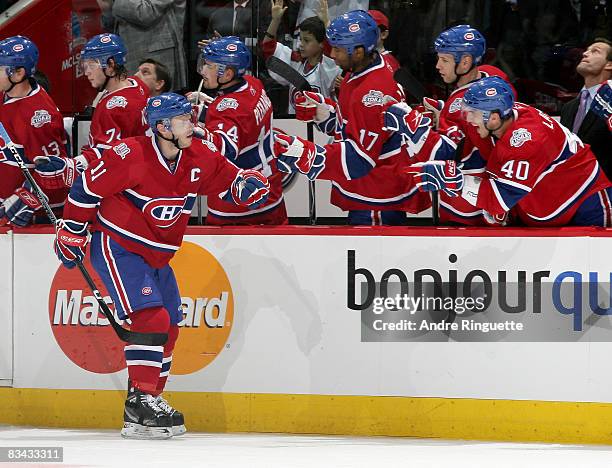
(86, 338)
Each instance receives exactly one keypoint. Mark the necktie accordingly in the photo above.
(237, 11)
(582, 110)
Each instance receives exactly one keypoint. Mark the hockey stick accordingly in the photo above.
(410, 84)
(289, 73)
(435, 208)
(312, 194)
(149, 339)
(200, 109)
(294, 77)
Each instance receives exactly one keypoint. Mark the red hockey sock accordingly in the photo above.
(145, 362)
(173, 333)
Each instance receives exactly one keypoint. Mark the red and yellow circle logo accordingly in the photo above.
(87, 339)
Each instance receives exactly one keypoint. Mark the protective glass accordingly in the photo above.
(183, 124)
(471, 115)
(87, 65)
(202, 63)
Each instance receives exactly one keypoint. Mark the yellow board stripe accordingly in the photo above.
(447, 418)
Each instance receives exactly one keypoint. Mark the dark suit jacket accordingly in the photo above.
(593, 131)
(222, 18)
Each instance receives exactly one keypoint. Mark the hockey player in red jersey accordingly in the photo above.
(460, 51)
(537, 168)
(118, 113)
(364, 162)
(239, 123)
(32, 119)
(138, 198)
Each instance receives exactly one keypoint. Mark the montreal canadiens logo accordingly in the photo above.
(105, 39)
(17, 47)
(147, 291)
(164, 212)
(468, 36)
(232, 47)
(156, 103)
(491, 92)
(354, 27)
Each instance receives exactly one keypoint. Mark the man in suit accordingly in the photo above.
(595, 67)
(150, 29)
(234, 19)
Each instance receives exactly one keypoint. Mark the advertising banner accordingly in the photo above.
(6, 307)
(306, 314)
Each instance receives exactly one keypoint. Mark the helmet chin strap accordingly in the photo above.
(350, 56)
(493, 130)
(108, 77)
(173, 140)
(351, 63)
(459, 75)
(14, 83)
(220, 83)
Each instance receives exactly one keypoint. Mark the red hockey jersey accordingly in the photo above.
(240, 122)
(541, 169)
(34, 122)
(472, 158)
(365, 163)
(390, 60)
(143, 204)
(119, 114)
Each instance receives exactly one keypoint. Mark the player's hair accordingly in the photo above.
(607, 42)
(120, 71)
(314, 26)
(162, 73)
(42, 80)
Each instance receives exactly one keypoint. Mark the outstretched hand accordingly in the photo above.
(277, 9)
(204, 42)
(324, 13)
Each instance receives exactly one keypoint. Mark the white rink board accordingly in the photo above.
(6, 307)
(293, 333)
